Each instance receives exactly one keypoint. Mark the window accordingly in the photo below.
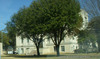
(27, 50)
(27, 40)
(22, 50)
(41, 45)
(62, 48)
(76, 47)
(48, 40)
(54, 48)
(22, 39)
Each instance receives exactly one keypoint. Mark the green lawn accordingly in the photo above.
(63, 56)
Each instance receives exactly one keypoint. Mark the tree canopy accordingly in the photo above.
(4, 39)
(94, 26)
(54, 17)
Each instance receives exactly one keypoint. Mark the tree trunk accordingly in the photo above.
(38, 52)
(57, 50)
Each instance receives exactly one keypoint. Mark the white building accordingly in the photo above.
(68, 45)
(1, 49)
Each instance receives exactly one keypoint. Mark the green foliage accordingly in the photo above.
(11, 32)
(87, 36)
(59, 14)
(87, 41)
(58, 17)
(52, 17)
(94, 25)
(5, 39)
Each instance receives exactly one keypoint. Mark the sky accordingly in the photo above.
(8, 8)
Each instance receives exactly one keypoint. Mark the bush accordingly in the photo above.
(80, 51)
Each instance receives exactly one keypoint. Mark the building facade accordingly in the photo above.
(68, 45)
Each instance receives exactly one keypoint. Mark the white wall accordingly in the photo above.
(25, 47)
(1, 49)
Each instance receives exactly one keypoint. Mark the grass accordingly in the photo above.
(63, 56)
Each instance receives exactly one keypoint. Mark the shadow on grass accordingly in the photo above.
(33, 56)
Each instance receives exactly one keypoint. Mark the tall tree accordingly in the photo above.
(94, 25)
(85, 39)
(55, 17)
(93, 9)
(61, 17)
(28, 25)
(11, 33)
(4, 39)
